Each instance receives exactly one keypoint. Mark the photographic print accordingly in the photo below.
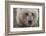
(25, 17)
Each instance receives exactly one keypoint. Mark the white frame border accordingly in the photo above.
(25, 29)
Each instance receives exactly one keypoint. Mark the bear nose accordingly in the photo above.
(30, 22)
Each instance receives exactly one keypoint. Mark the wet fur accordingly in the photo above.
(21, 18)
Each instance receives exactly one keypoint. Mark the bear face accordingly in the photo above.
(26, 17)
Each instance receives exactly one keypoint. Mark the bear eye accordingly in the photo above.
(26, 14)
(32, 14)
